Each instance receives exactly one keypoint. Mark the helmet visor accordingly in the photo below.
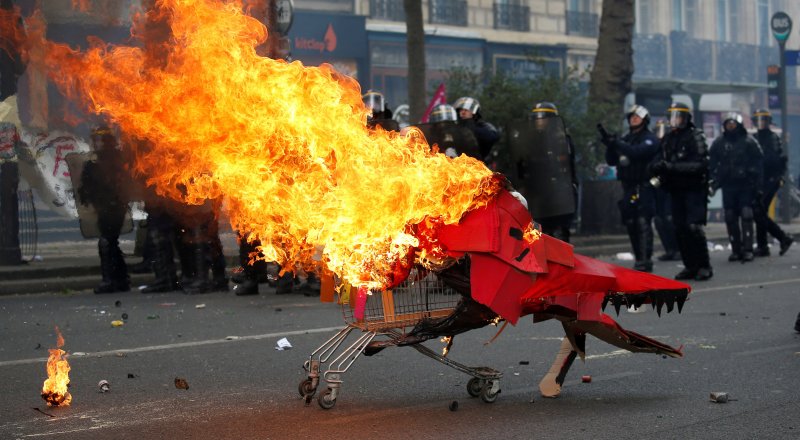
(374, 102)
(762, 121)
(679, 117)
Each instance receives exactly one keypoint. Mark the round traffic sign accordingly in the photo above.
(781, 25)
(284, 15)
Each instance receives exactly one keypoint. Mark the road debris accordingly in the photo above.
(283, 344)
(152, 316)
(200, 306)
(454, 405)
(624, 256)
(586, 379)
(181, 384)
(231, 338)
(104, 386)
(719, 397)
(132, 376)
(524, 362)
(117, 323)
(118, 303)
(124, 316)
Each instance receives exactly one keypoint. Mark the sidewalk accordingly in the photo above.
(70, 266)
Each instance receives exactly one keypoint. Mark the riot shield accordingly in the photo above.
(386, 124)
(87, 214)
(542, 165)
(448, 134)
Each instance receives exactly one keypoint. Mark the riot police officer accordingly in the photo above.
(632, 154)
(381, 115)
(736, 166)
(101, 186)
(451, 138)
(663, 217)
(682, 169)
(774, 170)
(469, 115)
(543, 165)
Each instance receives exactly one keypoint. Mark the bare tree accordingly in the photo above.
(613, 65)
(415, 47)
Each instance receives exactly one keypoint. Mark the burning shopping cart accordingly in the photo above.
(388, 318)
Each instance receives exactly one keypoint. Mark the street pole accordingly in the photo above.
(781, 25)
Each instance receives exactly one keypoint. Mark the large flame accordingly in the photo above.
(287, 145)
(55, 390)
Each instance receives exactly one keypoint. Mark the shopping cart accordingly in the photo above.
(385, 317)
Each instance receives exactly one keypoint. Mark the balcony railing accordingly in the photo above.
(512, 17)
(391, 10)
(680, 57)
(452, 12)
(584, 24)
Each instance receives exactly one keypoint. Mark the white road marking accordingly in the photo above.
(180, 345)
(747, 285)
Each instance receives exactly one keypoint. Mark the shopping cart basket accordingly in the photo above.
(388, 315)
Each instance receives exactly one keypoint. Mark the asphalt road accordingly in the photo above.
(736, 331)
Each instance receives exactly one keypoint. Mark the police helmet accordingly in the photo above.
(734, 117)
(102, 136)
(762, 118)
(443, 112)
(679, 115)
(467, 103)
(374, 101)
(544, 110)
(639, 111)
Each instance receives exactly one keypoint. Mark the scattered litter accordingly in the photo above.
(719, 397)
(132, 376)
(278, 309)
(516, 374)
(586, 379)
(181, 384)
(104, 386)
(283, 344)
(524, 362)
(117, 323)
(38, 346)
(708, 346)
(200, 306)
(102, 312)
(118, 303)
(722, 314)
(167, 304)
(120, 354)
(231, 338)
(454, 405)
(78, 353)
(625, 256)
(718, 248)
(124, 316)
(152, 316)
(38, 258)
(48, 415)
(634, 309)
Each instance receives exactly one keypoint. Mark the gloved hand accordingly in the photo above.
(712, 188)
(660, 167)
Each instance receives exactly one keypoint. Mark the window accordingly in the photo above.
(690, 11)
(644, 16)
(677, 15)
(762, 22)
(722, 20)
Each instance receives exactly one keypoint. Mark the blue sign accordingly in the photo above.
(792, 57)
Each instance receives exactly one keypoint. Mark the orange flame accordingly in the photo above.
(55, 390)
(286, 144)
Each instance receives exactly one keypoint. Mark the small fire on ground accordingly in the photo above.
(55, 390)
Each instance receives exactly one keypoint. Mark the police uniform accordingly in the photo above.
(682, 169)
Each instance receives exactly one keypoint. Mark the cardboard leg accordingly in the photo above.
(550, 386)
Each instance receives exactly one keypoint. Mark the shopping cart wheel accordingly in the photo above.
(325, 401)
(475, 386)
(306, 388)
(489, 393)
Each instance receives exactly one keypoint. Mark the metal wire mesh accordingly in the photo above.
(404, 306)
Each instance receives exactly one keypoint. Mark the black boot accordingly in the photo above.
(645, 238)
(682, 235)
(246, 287)
(786, 243)
(163, 263)
(747, 234)
(112, 267)
(199, 283)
